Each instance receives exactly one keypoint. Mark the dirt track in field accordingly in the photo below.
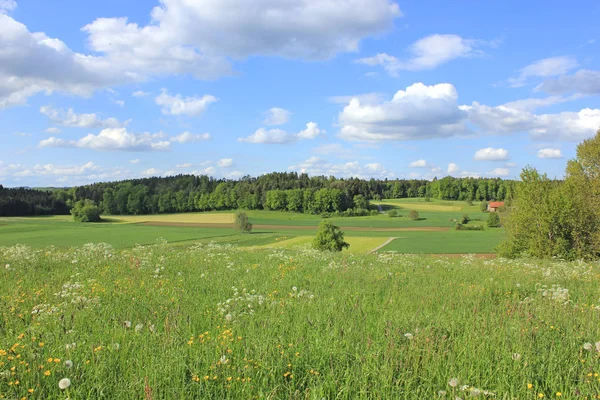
(300, 227)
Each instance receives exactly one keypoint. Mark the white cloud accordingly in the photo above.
(298, 29)
(544, 68)
(453, 168)
(187, 137)
(312, 131)
(7, 6)
(277, 116)
(491, 154)
(52, 130)
(279, 136)
(500, 172)
(419, 112)
(111, 139)
(225, 163)
(366, 98)
(550, 153)
(71, 119)
(335, 149)
(316, 166)
(418, 164)
(120, 103)
(135, 161)
(583, 81)
(426, 53)
(22, 134)
(152, 172)
(531, 104)
(140, 93)
(566, 125)
(177, 105)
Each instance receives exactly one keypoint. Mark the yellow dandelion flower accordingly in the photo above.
(558, 394)
(529, 386)
(41, 344)
(56, 360)
(31, 390)
(50, 360)
(47, 373)
(540, 395)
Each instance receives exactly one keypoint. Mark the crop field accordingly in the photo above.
(220, 321)
(431, 233)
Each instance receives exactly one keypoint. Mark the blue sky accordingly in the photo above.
(94, 91)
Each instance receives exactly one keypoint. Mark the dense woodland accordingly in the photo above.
(275, 191)
(21, 202)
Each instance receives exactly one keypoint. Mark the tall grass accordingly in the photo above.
(216, 322)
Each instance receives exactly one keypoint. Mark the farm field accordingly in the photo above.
(432, 233)
(220, 321)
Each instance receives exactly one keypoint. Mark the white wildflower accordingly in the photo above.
(588, 346)
(229, 317)
(69, 364)
(138, 327)
(70, 346)
(476, 392)
(516, 356)
(294, 289)
(116, 346)
(127, 324)
(453, 382)
(223, 359)
(409, 336)
(64, 383)
(151, 328)
(442, 393)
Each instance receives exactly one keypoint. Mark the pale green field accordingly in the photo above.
(223, 322)
(357, 244)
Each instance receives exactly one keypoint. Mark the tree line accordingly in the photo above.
(287, 191)
(25, 202)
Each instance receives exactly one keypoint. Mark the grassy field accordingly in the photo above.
(224, 322)
(363, 233)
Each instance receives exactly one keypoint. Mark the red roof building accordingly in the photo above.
(495, 205)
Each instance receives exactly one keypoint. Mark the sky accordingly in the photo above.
(110, 90)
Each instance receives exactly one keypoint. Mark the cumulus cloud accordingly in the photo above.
(426, 53)
(550, 153)
(419, 112)
(140, 93)
(316, 166)
(135, 161)
(72, 119)
(52, 130)
(113, 139)
(297, 29)
(225, 163)
(22, 134)
(499, 172)
(566, 125)
(547, 67)
(279, 136)
(583, 81)
(178, 105)
(277, 116)
(418, 164)
(491, 154)
(453, 168)
(187, 137)
(7, 6)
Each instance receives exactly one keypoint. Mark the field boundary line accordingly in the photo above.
(390, 240)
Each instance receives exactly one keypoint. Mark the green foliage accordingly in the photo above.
(493, 220)
(360, 202)
(464, 219)
(86, 211)
(329, 237)
(413, 214)
(242, 224)
(557, 219)
(392, 213)
(483, 206)
(462, 227)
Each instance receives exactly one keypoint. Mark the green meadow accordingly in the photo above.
(432, 233)
(213, 321)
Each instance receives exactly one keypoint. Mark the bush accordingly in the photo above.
(464, 219)
(374, 212)
(392, 214)
(469, 202)
(242, 224)
(361, 212)
(461, 227)
(493, 220)
(86, 211)
(483, 206)
(413, 214)
(329, 237)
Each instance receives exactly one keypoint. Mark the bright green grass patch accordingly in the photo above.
(360, 245)
(220, 322)
(451, 242)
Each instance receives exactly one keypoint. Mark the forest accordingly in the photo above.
(287, 191)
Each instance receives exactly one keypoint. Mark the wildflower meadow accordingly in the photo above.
(221, 322)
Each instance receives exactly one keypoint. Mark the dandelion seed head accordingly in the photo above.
(64, 383)
(588, 346)
(69, 364)
(453, 382)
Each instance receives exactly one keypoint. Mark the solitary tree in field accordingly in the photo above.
(493, 220)
(329, 237)
(242, 224)
(85, 211)
(413, 214)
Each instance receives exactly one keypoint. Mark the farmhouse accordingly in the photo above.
(495, 205)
